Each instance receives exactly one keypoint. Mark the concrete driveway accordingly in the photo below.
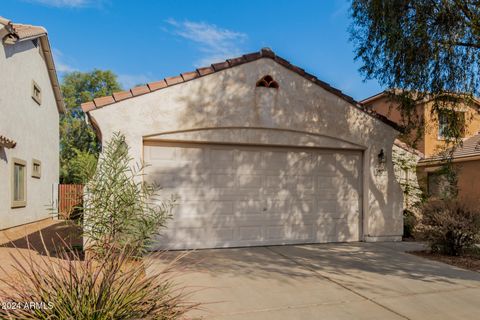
(327, 281)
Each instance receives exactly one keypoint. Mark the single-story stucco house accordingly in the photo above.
(30, 104)
(259, 152)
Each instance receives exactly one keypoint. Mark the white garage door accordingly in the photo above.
(232, 195)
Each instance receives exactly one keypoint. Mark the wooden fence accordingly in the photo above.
(69, 197)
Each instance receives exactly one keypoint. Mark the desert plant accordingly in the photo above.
(449, 226)
(89, 289)
(119, 208)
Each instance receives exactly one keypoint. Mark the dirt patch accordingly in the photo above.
(469, 261)
(39, 240)
(42, 237)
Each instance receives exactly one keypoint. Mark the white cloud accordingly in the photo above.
(215, 44)
(66, 3)
(62, 63)
(131, 80)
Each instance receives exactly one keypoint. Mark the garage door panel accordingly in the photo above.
(249, 181)
(223, 180)
(221, 220)
(248, 160)
(290, 233)
(240, 196)
(191, 209)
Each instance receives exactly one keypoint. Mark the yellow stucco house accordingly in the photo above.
(431, 142)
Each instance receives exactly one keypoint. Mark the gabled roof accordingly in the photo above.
(216, 67)
(12, 33)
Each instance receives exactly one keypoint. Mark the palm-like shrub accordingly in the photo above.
(449, 226)
(119, 208)
(71, 289)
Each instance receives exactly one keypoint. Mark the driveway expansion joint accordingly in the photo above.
(299, 306)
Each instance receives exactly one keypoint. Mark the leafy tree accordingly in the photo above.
(78, 142)
(429, 49)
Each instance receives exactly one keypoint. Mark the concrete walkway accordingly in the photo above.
(328, 281)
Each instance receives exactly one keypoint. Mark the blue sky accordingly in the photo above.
(147, 40)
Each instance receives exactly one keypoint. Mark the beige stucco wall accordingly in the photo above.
(34, 127)
(228, 99)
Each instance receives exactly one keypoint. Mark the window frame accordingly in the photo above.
(457, 113)
(441, 187)
(18, 203)
(442, 127)
(36, 87)
(36, 174)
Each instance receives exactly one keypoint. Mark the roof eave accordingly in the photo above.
(246, 58)
(52, 72)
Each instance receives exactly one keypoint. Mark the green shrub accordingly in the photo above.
(119, 208)
(68, 288)
(449, 226)
(409, 223)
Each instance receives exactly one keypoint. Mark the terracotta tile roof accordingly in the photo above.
(229, 63)
(470, 147)
(7, 143)
(406, 147)
(24, 31)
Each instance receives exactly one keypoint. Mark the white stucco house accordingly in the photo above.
(30, 104)
(259, 152)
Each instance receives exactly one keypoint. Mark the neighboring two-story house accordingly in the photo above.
(30, 104)
(431, 142)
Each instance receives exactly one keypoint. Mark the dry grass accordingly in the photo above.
(66, 286)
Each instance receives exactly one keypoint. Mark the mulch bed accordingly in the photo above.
(469, 261)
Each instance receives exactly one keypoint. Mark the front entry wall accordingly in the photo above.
(230, 195)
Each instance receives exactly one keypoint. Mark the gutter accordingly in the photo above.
(52, 72)
(426, 163)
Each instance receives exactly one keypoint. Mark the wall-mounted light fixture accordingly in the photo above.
(382, 160)
(381, 157)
